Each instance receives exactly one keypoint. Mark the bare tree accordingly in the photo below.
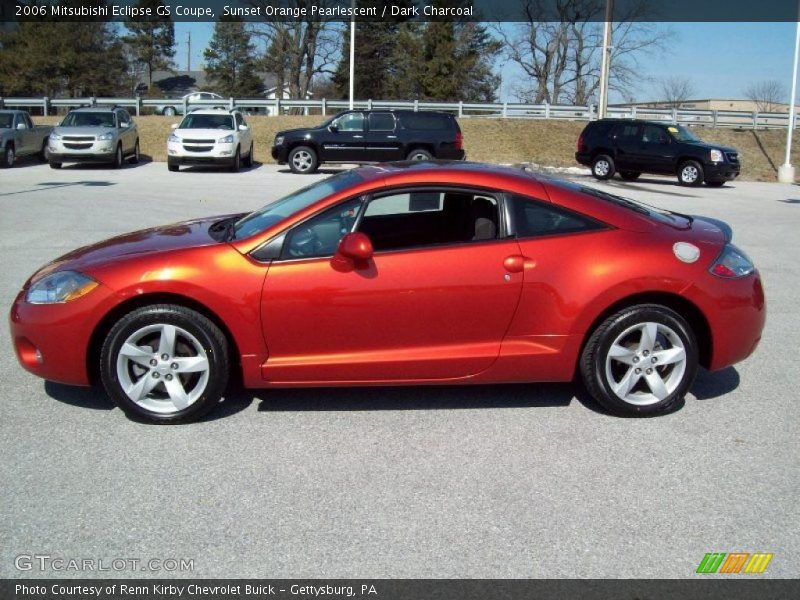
(561, 59)
(769, 95)
(675, 90)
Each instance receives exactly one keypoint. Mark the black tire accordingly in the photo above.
(419, 154)
(9, 157)
(204, 331)
(690, 173)
(55, 165)
(44, 155)
(248, 162)
(118, 160)
(603, 167)
(593, 364)
(309, 162)
(629, 175)
(173, 166)
(715, 183)
(135, 156)
(237, 162)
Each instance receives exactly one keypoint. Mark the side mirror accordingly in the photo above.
(333, 127)
(174, 126)
(21, 126)
(356, 246)
(242, 127)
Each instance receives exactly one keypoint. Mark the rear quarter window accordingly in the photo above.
(534, 218)
(427, 121)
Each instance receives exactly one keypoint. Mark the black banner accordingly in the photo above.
(423, 10)
(708, 588)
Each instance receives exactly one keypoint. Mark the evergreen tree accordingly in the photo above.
(230, 66)
(375, 44)
(151, 42)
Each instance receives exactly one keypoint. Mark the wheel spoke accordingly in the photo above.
(143, 386)
(166, 345)
(649, 333)
(621, 354)
(191, 364)
(669, 356)
(656, 385)
(626, 384)
(137, 354)
(177, 394)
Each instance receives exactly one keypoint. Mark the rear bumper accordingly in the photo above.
(583, 158)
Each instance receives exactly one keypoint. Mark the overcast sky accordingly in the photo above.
(720, 58)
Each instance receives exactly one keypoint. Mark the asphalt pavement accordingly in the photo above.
(491, 481)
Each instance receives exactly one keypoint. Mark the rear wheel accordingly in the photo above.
(640, 361)
(629, 175)
(8, 157)
(603, 167)
(303, 160)
(690, 173)
(165, 363)
(419, 154)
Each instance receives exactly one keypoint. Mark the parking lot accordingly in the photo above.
(475, 482)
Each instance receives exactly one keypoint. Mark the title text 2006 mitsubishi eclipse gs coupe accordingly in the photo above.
(407, 273)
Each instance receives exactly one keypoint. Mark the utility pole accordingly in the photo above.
(188, 50)
(352, 52)
(605, 61)
(786, 170)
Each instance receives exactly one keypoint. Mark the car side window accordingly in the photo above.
(627, 131)
(350, 122)
(533, 218)
(239, 120)
(403, 220)
(320, 235)
(652, 134)
(124, 118)
(381, 122)
(18, 120)
(28, 122)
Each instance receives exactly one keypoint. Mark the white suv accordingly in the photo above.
(211, 137)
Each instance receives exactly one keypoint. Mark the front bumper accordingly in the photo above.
(200, 160)
(280, 154)
(723, 171)
(80, 157)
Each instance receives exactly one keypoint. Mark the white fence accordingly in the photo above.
(504, 110)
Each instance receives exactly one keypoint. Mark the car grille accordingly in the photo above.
(191, 145)
(732, 157)
(74, 146)
(78, 138)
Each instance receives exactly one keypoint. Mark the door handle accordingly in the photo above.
(514, 263)
(357, 137)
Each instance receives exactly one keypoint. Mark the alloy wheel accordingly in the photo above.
(646, 363)
(10, 157)
(163, 368)
(601, 168)
(302, 160)
(689, 174)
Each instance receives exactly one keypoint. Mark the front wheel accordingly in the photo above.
(117, 163)
(690, 173)
(248, 162)
(237, 162)
(8, 157)
(303, 160)
(165, 363)
(603, 167)
(640, 361)
(135, 156)
(55, 165)
(173, 166)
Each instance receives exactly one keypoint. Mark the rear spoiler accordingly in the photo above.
(723, 226)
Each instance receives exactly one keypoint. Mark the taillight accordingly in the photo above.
(459, 141)
(579, 147)
(732, 263)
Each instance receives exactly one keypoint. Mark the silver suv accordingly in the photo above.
(95, 134)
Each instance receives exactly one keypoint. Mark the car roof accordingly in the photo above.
(213, 111)
(95, 109)
(637, 121)
(445, 171)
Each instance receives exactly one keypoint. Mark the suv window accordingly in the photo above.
(89, 119)
(653, 134)
(597, 129)
(350, 122)
(381, 122)
(124, 117)
(26, 117)
(533, 218)
(423, 120)
(21, 119)
(627, 131)
(239, 120)
(398, 221)
(320, 235)
(200, 121)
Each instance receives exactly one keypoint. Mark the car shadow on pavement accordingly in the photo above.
(322, 171)
(709, 386)
(218, 169)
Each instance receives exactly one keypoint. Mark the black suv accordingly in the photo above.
(634, 147)
(370, 136)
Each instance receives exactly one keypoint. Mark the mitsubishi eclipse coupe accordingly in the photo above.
(399, 274)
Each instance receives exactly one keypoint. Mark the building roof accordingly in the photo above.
(176, 84)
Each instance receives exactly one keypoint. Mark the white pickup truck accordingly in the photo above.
(20, 137)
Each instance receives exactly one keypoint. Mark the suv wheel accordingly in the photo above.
(135, 156)
(118, 157)
(629, 175)
(8, 157)
(165, 363)
(603, 167)
(690, 173)
(237, 161)
(55, 165)
(303, 160)
(170, 111)
(248, 162)
(419, 154)
(640, 361)
(173, 166)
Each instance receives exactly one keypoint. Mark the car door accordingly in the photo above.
(433, 303)
(127, 133)
(245, 135)
(627, 137)
(24, 135)
(656, 150)
(382, 143)
(343, 140)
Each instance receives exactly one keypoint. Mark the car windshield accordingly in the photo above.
(193, 121)
(285, 207)
(89, 119)
(681, 133)
(5, 120)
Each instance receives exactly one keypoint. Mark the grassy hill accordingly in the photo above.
(549, 143)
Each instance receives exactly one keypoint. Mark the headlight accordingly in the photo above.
(228, 139)
(61, 286)
(54, 136)
(278, 141)
(716, 156)
(105, 137)
(174, 138)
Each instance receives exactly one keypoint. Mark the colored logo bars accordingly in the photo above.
(734, 562)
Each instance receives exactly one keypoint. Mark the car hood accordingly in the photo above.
(203, 134)
(83, 130)
(178, 236)
(709, 146)
(297, 131)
